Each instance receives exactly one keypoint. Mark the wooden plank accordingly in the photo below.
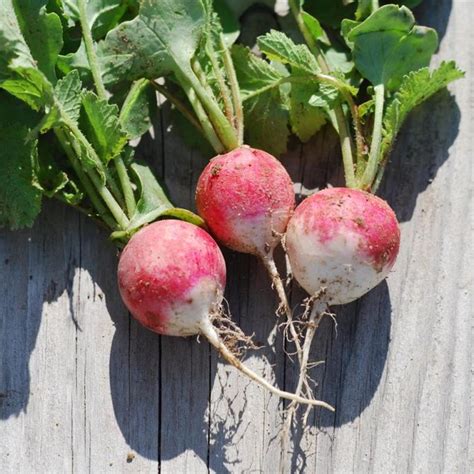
(83, 388)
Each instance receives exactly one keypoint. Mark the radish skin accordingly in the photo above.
(343, 240)
(171, 277)
(246, 198)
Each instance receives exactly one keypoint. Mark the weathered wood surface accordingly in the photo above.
(83, 388)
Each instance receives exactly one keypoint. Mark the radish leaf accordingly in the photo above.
(415, 88)
(264, 101)
(101, 125)
(162, 39)
(388, 45)
(20, 202)
(279, 47)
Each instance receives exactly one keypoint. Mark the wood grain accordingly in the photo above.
(83, 388)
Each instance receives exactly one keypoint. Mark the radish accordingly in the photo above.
(246, 198)
(171, 277)
(341, 243)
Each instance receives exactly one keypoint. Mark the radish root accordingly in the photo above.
(316, 309)
(210, 332)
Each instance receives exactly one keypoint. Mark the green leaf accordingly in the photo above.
(325, 96)
(264, 101)
(68, 92)
(76, 61)
(268, 117)
(330, 12)
(416, 87)
(338, 59)
(20, 201)
(253, 73)
(366, 108)
(162, 39)
(364, 9)
(153, 201)
(279, 47)
(100, 121)
(19, 73)
(47, 176)
(67, 104)
(314, 27)
(102, 15)
(42, 32)
(305, 117)
(135, 115)
(388, 45)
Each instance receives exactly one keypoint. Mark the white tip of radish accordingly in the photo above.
(344, 241)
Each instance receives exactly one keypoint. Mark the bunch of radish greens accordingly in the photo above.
(79, 81)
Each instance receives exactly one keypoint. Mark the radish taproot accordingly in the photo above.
(171, 277)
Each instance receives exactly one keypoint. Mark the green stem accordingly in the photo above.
(375, 5)
(102, 94)
(223, 87)
(180, 106)
(90, 51)
(109, 200)
(235, 89)
(202, 116)
(223, 128)
(126, 186)
(374, 156)
(114, 187)
(104, 193)
(84, 180)
(346, 146)
(343, 129)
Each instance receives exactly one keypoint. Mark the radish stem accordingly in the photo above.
(343, 130)
(223, 128)
(202, 116)
(178, 104)
(88, 187)
(374, 156)
(90, 51)
(223, 87)
(126, 186)
(235, 89)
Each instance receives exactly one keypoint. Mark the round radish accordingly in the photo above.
(344, 241)
(171, 277)
(246, 198)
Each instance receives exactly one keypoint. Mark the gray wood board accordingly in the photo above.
(83, 388)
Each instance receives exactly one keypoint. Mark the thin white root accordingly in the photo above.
(289, 271)
(210, 333)
(318, 311)
(284, 307)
